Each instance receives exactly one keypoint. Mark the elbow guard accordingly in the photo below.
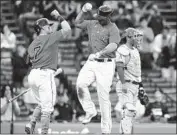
(66, 29)
(65, 25)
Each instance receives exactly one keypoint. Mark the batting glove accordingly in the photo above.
(87, 7)
(55, 14)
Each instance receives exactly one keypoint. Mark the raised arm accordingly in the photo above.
(80, 21)
(65, 27)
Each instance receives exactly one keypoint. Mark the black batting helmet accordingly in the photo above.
(104, 11)
(41, 23)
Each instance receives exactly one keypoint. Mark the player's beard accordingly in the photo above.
(103, 22)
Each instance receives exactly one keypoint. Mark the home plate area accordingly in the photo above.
(91, 128)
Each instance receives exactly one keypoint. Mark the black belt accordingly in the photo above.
(45, 68)
(133, 82)
(104, 60)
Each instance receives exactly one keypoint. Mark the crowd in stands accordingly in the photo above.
(6, 108)
(158, 50)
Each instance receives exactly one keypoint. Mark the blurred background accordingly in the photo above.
(157, 19)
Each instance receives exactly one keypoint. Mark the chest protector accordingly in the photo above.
(132, 60)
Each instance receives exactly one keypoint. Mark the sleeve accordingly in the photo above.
(120, 58)
(114, 36)
(85, 24)
(57, 36)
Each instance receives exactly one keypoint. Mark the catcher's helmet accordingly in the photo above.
(130, 32)
(40, 23)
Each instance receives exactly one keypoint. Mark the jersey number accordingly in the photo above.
(36, 51)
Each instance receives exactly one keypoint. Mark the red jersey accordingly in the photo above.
(43, 51)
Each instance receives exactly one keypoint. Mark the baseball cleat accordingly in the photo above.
(29, 129)
(88, 117)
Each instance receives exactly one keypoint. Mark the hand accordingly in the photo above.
(91, 57)
(55, 14)
(94, 56)
(124, 88)
(87, 7)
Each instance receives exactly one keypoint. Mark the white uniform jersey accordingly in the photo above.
(132, 63)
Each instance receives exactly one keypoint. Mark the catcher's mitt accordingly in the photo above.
(144, 100)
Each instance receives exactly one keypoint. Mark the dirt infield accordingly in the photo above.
(94, 128)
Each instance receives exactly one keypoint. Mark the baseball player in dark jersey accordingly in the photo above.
(103, 41)
(43, 55)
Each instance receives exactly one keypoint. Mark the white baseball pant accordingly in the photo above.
(43, 85)
(130, 98)
(102, 73)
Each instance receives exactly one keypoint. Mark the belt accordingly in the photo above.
(133, 82)
(104, 60)
(45, 69)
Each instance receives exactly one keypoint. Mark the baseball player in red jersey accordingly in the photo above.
(100, 66)
(129, 79)
(43, 55)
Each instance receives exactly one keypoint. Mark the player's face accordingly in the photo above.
(103, 20)
(47, 29)
(138, 38)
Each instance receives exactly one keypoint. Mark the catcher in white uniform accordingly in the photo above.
(129, 86)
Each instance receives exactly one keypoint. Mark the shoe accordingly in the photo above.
(88, 117)
(29, 129)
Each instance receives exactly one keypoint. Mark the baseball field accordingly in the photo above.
(94, 128)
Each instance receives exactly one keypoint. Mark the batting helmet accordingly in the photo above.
(104, 11)
(41, 23)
